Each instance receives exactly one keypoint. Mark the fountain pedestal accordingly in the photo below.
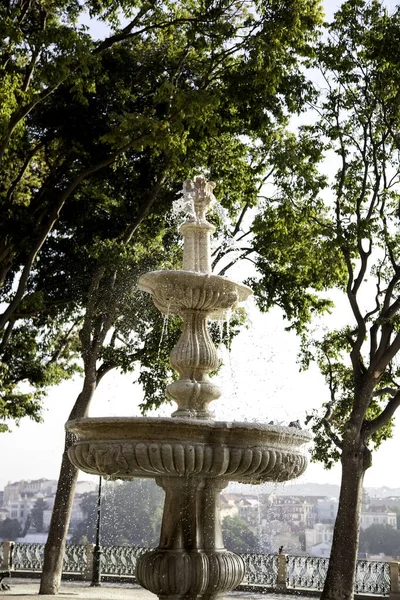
(190, 561)
(190, 456)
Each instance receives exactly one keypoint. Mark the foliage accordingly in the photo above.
(291, 258)
(130, 514)
(10, 529)
(359, 360)
(320, 231)
(378, 539)
(95, 136)
(238, 537)
(37, 515)
(31, 355)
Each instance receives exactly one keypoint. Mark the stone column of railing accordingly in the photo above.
(282, 573)
(7, 556)
(394, 580)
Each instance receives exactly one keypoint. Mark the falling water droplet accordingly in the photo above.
(221, 330)
(164, 331)
(228, 318)
(222, 213)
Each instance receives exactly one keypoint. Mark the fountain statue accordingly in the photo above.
(191, 456)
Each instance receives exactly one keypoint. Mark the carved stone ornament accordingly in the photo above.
(190, 456)
(146, 447)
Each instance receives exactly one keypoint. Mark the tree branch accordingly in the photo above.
(63, 344)
(331, 434)
(54, 214)
(244, 254)
(371, 427)
(7, 335)
(240, 219)
(146, 207)
(384, 391)
(23, 169)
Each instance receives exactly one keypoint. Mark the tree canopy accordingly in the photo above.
(238, 537)
(130, 514)
(10, 529)
(378, 539)
(36, 515)
(96, 137)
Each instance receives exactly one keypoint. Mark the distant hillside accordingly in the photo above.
(288, 489)
(382, 492)
(307, 489)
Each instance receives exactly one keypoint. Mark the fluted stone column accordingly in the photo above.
(193, 357)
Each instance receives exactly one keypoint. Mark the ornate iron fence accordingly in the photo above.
(372, 577)
(261, 569)
(75, 559)
(120, 560)
(307, 571)
(115, 560)
(27, 557)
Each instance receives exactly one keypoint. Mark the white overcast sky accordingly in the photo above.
(260, 381)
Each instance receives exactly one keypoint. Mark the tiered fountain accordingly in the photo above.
(191, 456)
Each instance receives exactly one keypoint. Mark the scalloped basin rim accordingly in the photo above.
(184, 430)
(122, 448)
(148, 281)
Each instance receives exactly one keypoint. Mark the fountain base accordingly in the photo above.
(182, 575)
(191, 561)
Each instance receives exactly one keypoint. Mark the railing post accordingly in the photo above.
(88, 571)
(7, 555)
(282, 572)
(394, 580)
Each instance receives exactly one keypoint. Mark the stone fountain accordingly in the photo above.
(191, 456)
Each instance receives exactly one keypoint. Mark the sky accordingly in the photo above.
(260, 381)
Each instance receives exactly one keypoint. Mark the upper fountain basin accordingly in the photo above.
(122, 448)
(174, 292)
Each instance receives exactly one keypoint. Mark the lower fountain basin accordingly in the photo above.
(122, 448)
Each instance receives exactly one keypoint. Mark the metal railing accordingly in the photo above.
(307, 571)
(372, 577)
(296, 572)
(261, 569)
(120, 560)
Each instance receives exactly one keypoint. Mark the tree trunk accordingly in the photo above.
(55, 545)
(339, 582)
